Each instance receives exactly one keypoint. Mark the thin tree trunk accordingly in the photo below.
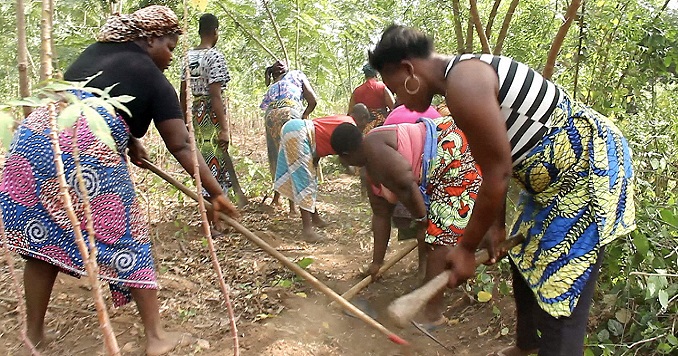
(21, 304)
(457, 26)
(246, 31)
(296, 38)
(469, 36)
(475, 17)
(504, 28)
(277, 31)
(560, 37)
(46, 41)
(110, 341)
(89, 261)
(225, 289)
(490, 20)
(22, 55)
(579, 45)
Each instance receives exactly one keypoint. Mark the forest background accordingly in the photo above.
(620, 57)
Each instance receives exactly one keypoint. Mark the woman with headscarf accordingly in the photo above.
(282, 102)
(129, 57)
(375, 95)
(573, 163)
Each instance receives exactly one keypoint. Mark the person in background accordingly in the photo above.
(303, 143)
(208, 79)
(129, 57)
(573, 164)
(375, 95)
(427, 167)
(282, 102)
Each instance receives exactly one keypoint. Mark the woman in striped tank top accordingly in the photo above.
(573, 164)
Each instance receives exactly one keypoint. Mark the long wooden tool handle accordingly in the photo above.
(410, 245)
(403, 309)
(284, 260)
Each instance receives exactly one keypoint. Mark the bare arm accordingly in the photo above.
(472, 100)
(388, 98)
(387, 167)
(471, 96)
(351, 104)
(310, 97)
(220, 112)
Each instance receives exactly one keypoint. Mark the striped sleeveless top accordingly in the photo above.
(526, 100)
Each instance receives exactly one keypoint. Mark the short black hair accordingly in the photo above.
(346, 138)
(208, 23)
(398, 43)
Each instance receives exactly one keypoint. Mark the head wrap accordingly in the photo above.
(369, 71)
(151, 21)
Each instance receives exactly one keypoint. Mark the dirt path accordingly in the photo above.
(278, 314)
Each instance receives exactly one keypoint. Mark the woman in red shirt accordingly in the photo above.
(375, 95)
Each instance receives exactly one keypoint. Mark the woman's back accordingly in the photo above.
(133, 72)
(290, 87)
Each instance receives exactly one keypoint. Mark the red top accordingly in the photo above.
(324, 126)
(370, 93)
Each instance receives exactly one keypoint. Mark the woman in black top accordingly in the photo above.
(131, 53)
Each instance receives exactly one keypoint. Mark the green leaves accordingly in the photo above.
(6, 128)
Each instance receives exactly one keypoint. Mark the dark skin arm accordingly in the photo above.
(219, 111)
(382, 211)
(471, 96)
(351, 103)
(176, 138)
(387, 167)
(136, 152)
(310, 97)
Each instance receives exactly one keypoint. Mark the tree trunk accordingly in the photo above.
(490, 20)
(457, 26)
(560, 37)
(22, 55)
(475, 17)
(46, 41)
(277, 32)
(504, 28)
(469, 36)
(296, 39)
(579, 45)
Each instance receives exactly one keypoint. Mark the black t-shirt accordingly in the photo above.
(133, 69)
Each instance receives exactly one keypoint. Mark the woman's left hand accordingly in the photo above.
(136, 152)
(494, 236)
(221, 203)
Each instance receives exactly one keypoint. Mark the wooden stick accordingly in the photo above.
(403, 309)
(286, 262)
(89, 261)
(409, 246)
(560, 37)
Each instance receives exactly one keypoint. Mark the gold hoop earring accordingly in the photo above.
(415, 91)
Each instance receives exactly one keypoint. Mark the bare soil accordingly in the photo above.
(276, 313)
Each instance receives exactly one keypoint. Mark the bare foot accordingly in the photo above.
(311, 236)
(514, 351)
(167, 342)
(318, 221)
(41, 342)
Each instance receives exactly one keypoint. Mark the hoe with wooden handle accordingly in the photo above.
(403, 309)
